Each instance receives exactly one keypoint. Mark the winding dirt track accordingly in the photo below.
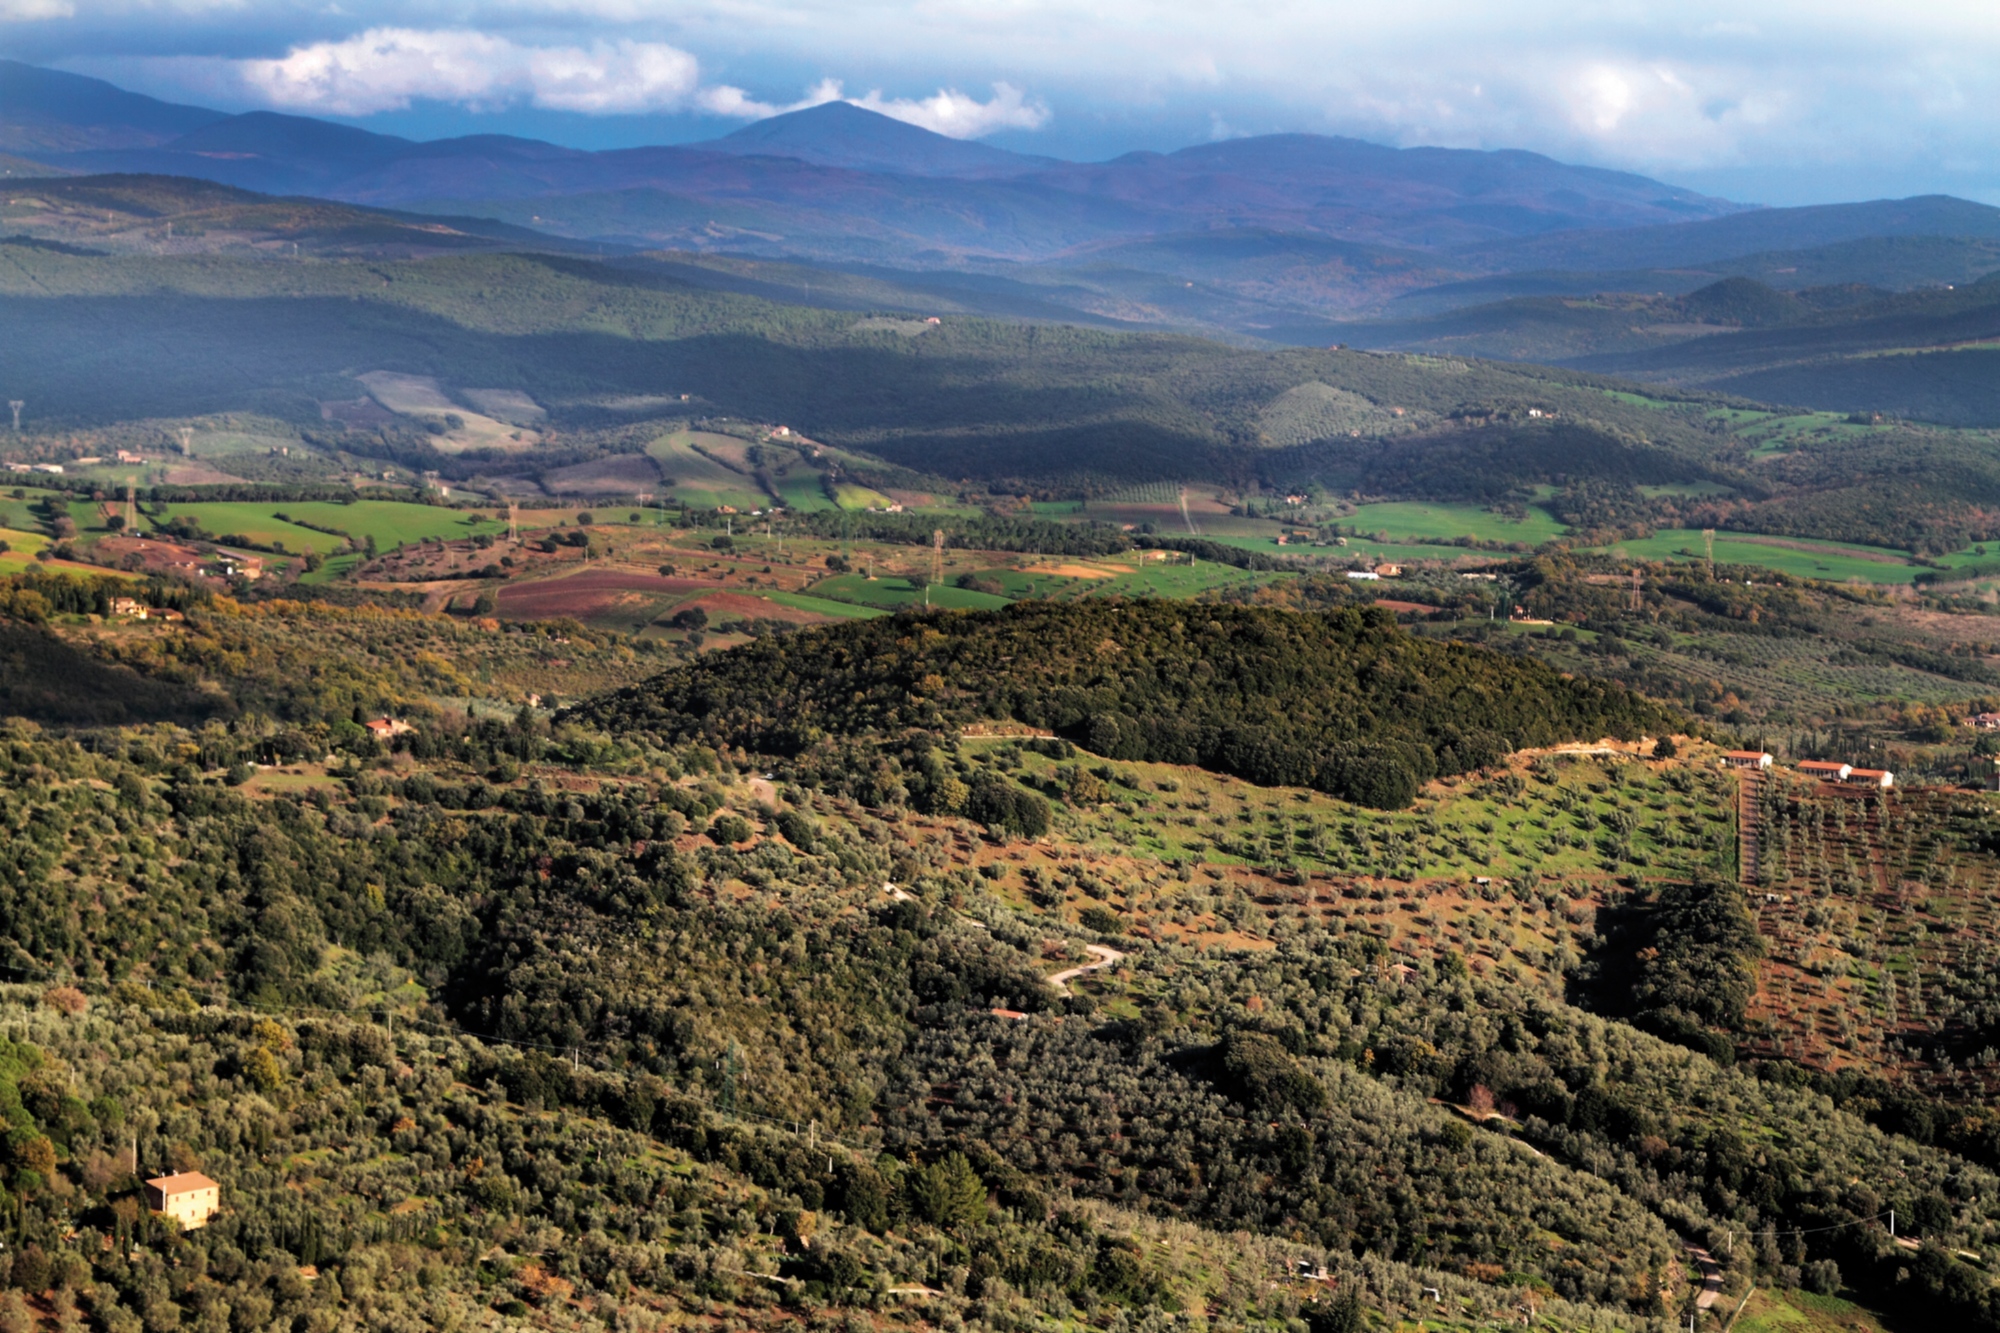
(1105, 958)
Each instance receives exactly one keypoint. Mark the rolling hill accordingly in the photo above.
(177, 215)
(1279, 238)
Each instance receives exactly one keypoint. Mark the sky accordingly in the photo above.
(1766, 101)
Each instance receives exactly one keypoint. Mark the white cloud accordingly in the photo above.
(385, 69)
(34, 11)
(953, 113)
(948, 112)
(723, 100)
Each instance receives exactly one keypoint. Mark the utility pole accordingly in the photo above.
(937, 558)
(1708, 537)
(17, 404)
(131, 506)
(1636, 603)
(513, 522)
(187, 440)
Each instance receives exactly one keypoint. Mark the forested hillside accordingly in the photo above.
(584, 1021)
(1345, 702)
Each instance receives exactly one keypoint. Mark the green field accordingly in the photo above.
(1356, 547)
(802, 493)
(22, 543)
(800, 601)
(1408, 521)
(895, 593)
(700, 480)
(1177, 582)
(17, 514)
(395, 522)
(1835, 561)
(253, 522)
(854, 496)
(390, 522)
(332, 571)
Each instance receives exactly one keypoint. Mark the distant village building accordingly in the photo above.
(1389, 571)
(1984, 721)
(189, 1197)
(86, 462)
(1746, 759)
(1879, 778)
(129, 606)
(1363, 574)
(1826, 770)
(53, 469)
(127, 456)
(385, 727)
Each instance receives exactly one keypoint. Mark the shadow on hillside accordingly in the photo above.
(56, 684)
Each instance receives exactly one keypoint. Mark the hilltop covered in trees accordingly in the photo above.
(1344, 702)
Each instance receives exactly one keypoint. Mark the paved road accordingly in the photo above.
(1105, 958)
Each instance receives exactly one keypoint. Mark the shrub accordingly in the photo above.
(68, 999)
(726, 830)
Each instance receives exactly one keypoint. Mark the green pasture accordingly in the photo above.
(397, 522)
(1177, 582)
(802, 493)
(1834, 561)
(19, 513)
(824, 606)
(855, 496)
(1411, 521)
(332, 571)
(698, 479)
(895, 593)
(253, 522)
(1400, 552)
(22, 542)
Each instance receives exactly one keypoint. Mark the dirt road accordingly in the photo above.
(1105, 958)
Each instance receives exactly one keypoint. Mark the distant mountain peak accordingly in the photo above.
(841, 134)
(52, 111)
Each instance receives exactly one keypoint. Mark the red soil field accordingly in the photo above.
(591, 593)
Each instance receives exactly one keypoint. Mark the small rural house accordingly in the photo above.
(1825, 770)
(386, 727)
(129, 606)
(1746, 759)
(1879, 778)
(188, 1197)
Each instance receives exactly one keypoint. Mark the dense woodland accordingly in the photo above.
(1343, 702)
